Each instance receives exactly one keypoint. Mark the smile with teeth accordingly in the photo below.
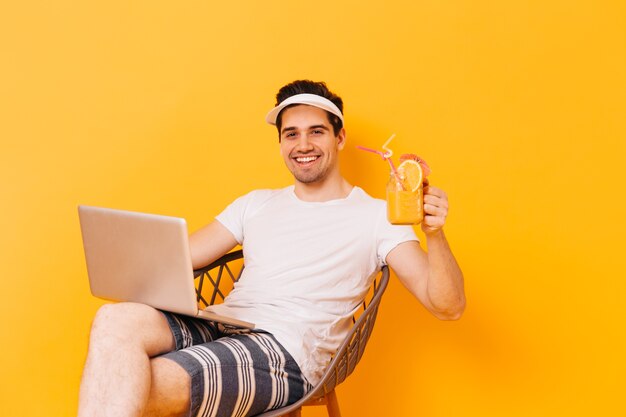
(305, 159)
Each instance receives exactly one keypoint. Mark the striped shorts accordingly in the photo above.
(234, 373)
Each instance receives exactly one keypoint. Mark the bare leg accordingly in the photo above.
(169, 391)
(117, 380)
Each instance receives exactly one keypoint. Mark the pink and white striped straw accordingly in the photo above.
(386, 156)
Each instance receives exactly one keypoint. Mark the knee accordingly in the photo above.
(120, 320)
(132, 326)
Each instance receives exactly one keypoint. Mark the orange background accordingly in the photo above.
(519, 107)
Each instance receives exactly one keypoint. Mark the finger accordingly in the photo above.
(431, 190)
(436, 201)
(432, 210)
(433, 223)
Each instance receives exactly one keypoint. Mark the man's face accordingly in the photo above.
(308, 144)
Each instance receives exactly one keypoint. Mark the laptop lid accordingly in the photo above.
(143, 258)
(138, 257)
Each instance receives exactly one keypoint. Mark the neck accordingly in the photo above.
(320, 192)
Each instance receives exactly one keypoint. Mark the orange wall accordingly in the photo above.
(158, 107)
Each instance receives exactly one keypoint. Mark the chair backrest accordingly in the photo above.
(351, 349)
(220, 276)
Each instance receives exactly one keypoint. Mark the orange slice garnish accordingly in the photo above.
(412, 156)
(411, 173)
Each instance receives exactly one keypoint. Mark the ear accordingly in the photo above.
(341, 139)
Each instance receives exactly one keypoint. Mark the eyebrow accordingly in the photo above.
(292, 128)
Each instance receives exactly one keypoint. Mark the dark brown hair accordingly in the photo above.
(309, 87)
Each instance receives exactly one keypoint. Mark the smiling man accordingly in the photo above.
(311, 250)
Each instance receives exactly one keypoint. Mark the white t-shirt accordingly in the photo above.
(308, 267)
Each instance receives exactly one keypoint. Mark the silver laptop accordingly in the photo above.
(143, 258)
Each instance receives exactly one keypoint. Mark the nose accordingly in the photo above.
(304, 145)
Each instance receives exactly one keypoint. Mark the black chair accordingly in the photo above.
(215, 280)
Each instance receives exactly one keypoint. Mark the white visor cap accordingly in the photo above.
(308, 99)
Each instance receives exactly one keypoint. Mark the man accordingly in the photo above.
(311, 251)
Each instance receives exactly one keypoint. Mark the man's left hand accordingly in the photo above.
(435, 209)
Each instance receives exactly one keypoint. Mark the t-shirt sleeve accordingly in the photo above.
(233, 216)
(389, 236)
(236, 213)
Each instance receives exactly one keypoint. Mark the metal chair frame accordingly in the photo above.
(343, 361)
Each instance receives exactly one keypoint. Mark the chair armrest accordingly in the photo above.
(209, 278)
(231, 256)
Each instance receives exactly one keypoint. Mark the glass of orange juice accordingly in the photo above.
(405, 194)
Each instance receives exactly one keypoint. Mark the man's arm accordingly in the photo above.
(434, 277)
(209, 243)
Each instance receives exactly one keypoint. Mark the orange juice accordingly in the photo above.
(404, 206)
